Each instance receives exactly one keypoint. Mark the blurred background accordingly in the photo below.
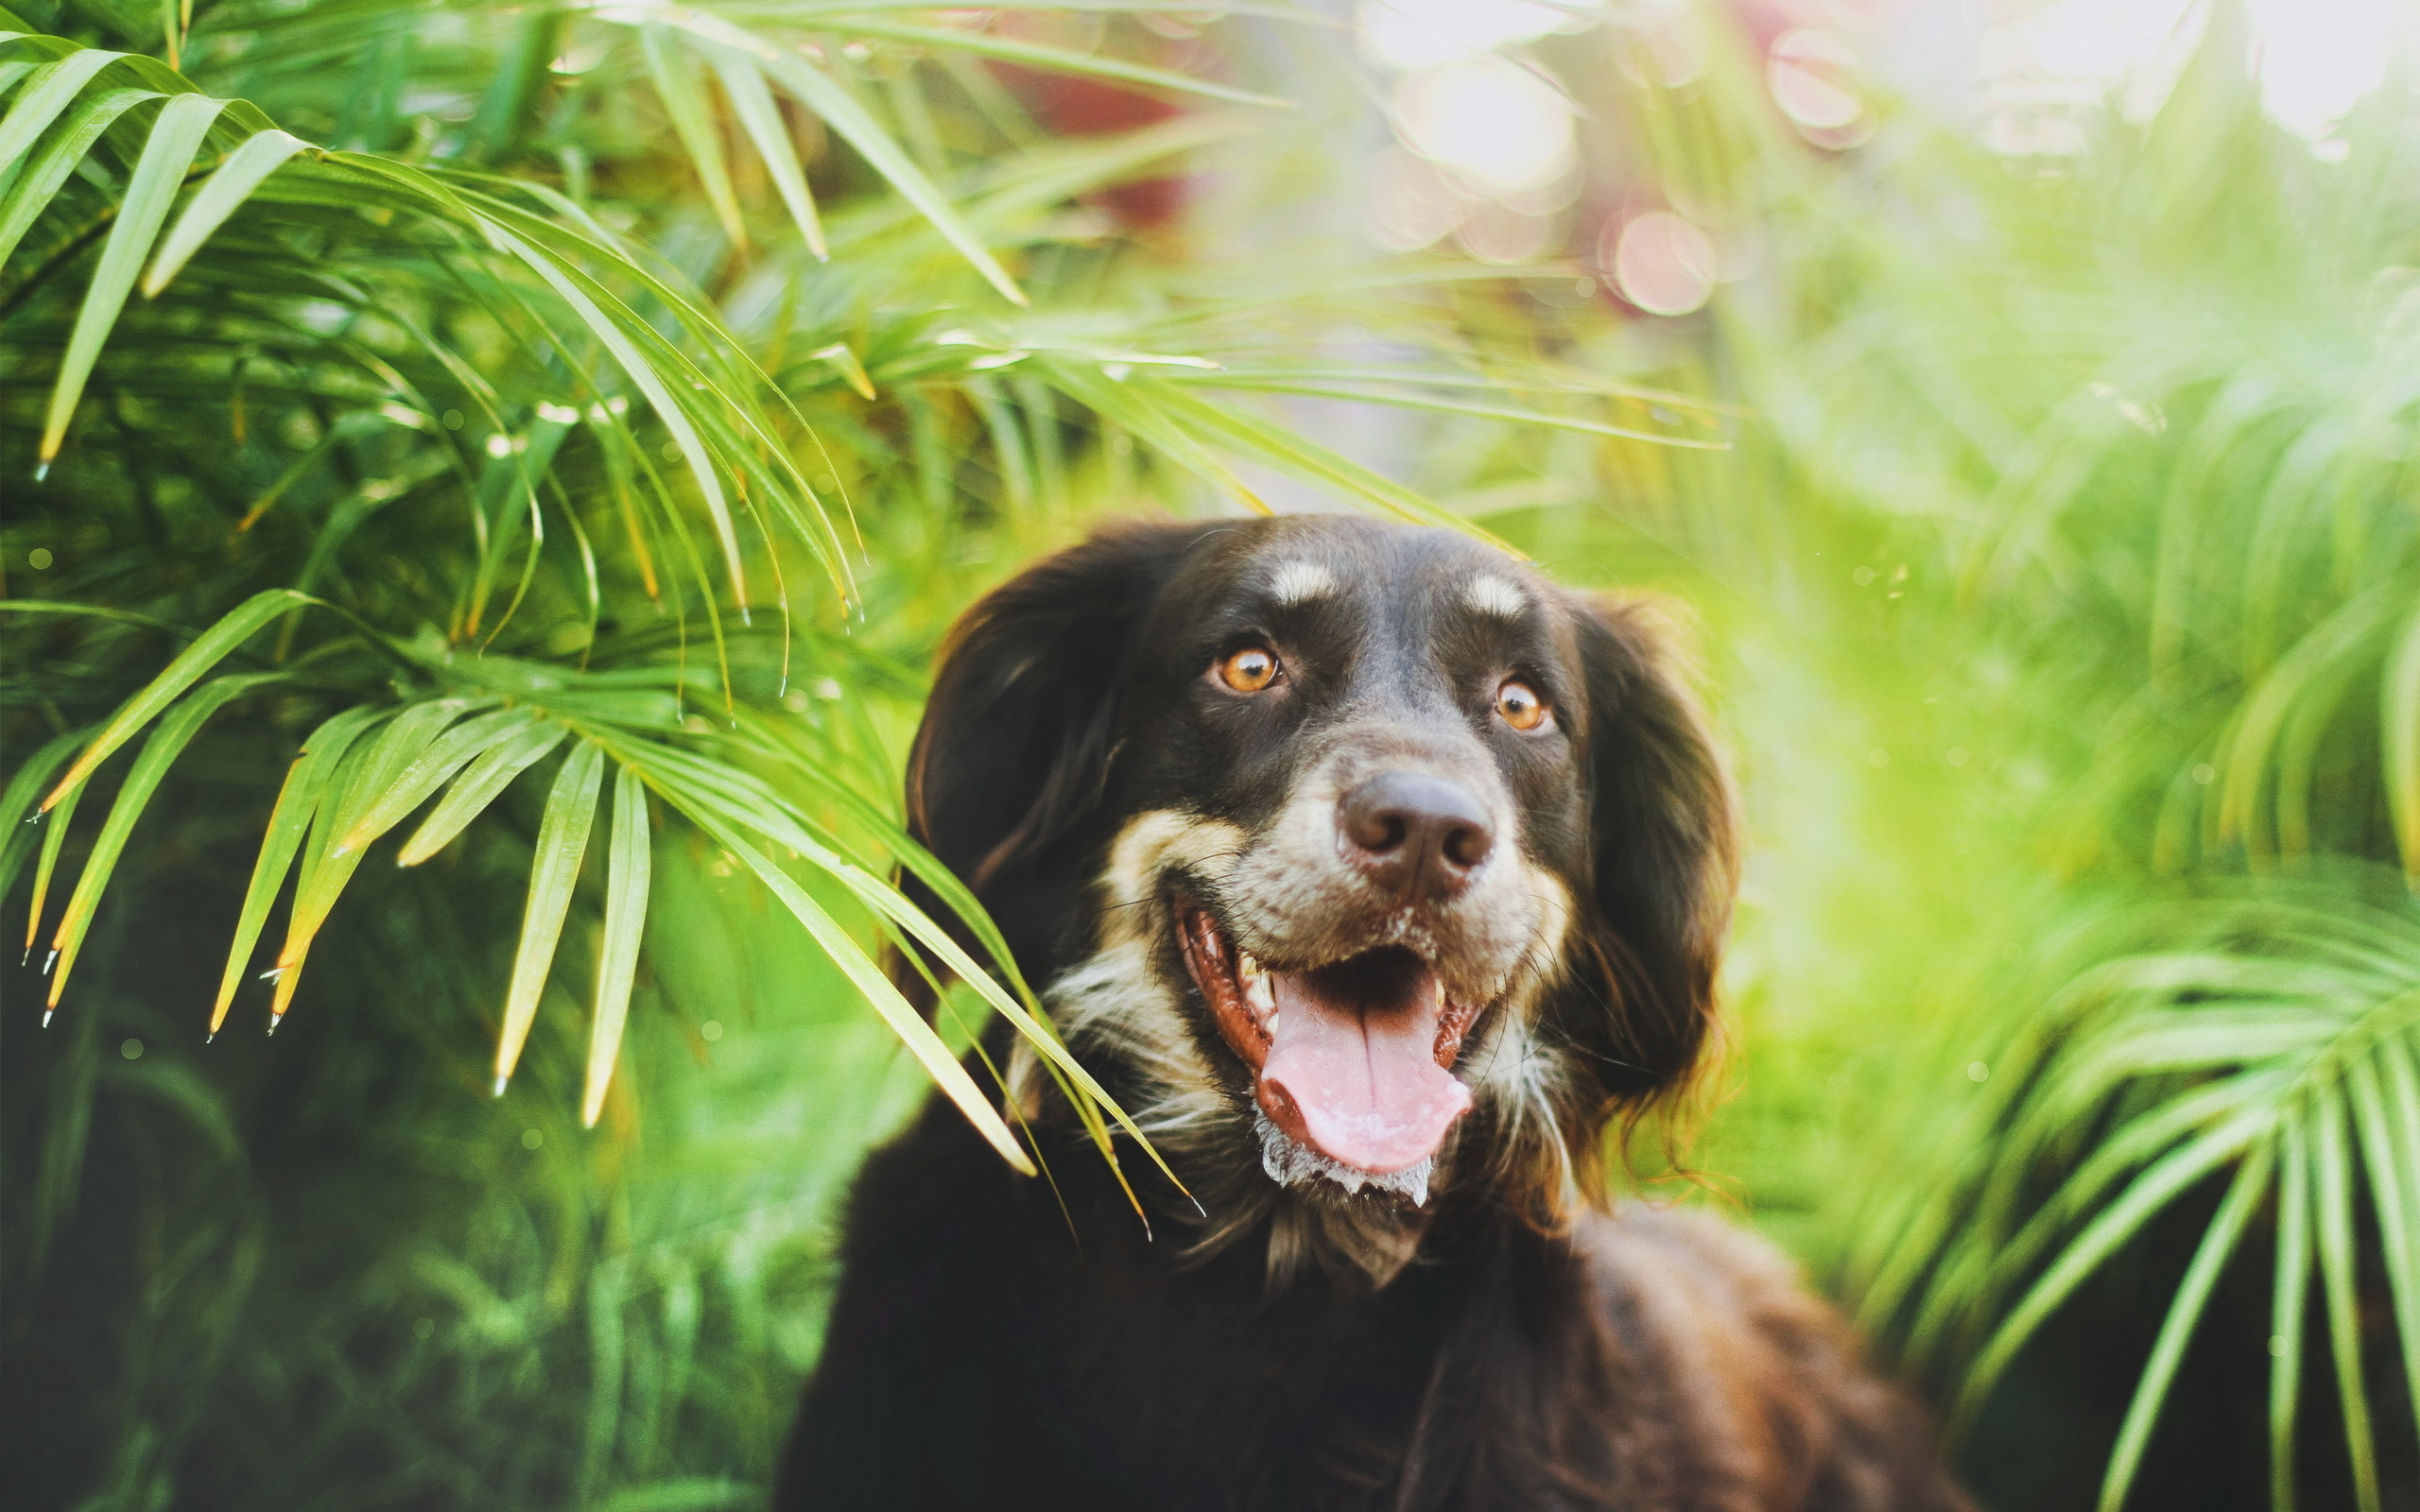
(425, 417)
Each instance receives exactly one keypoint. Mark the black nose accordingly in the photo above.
(1415, 834)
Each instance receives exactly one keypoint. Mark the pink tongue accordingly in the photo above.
(1353, 1066)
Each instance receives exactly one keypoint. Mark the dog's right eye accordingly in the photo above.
(1249, 670)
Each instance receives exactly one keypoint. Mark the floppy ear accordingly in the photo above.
(1007, 767)
(1663, 831)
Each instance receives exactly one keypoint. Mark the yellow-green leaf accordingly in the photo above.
(428, 771)
(261, 155)
(232, 629)
(563, 840)
(490, 774)
(629, 862)
(305, 788)
(859, 967)
(160, 752)
(693, 121)
(47, 94)
(60, 157)
(752, 102)
(157, 173)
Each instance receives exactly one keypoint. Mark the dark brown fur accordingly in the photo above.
(1000, 1342)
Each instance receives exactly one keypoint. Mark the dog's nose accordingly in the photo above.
(1415, 834)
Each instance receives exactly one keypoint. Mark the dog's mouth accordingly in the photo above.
(1352, 1057)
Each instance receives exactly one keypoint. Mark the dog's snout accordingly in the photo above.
(1415, 834)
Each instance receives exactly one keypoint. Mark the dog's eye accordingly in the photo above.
(1518, 704)
(1249, 670)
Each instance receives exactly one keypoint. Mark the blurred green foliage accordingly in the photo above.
(2057, 582)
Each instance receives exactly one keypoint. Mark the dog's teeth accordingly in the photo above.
(1255, 982)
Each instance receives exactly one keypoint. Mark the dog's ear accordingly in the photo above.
(1009, 765)
(1664, 833)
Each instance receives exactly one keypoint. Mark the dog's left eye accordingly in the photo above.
(1249, 670)
(1518, 704)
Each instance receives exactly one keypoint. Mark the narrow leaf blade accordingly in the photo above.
(490, 774)
(562, 841)
(261, 155)
(305, 787)
(157, 173)
(232, 629)
(626, 889)
(160, 752)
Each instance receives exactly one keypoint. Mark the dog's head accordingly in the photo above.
(1359, 844)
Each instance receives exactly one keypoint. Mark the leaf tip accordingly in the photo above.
(500, 1080)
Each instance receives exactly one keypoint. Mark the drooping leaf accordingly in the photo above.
(2243, 1199)
(693, 120)
(904, 1022)
(2290, 1293)
(487, 776)
(628, 861)
(2113, 1227)
(2332, 1188)
(232, 629)
(562, 841)
(309, 780)
(220, 196)
(176, 136)
(753, 103)
(841, 112)
(159, 753)
(58, 157)
(24, 827)
(367, 773)
(429, 770)
(59, 816)
(45, 94)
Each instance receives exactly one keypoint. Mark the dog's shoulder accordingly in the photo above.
(1765, 1390)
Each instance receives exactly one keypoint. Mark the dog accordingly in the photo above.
(1379, 878)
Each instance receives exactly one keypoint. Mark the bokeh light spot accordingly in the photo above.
(1808, 72)
(1489, 119)
(1663, 263)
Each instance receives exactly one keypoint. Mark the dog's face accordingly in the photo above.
(1360, 844)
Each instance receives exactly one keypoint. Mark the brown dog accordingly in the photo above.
(1377, 876)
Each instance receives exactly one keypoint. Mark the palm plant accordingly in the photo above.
(2090, 482)
(434, 408)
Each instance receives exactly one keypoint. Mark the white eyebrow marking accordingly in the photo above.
(1294, 581)
(1491, 595)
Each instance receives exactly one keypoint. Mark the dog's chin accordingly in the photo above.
(1351, 1059)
